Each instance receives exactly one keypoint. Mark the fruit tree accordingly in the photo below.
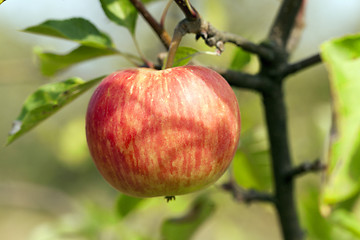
(173, 121)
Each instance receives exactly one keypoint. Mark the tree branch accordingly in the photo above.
(216, 38)
(247, 196)
(276, 120)
(243, 80)
(157, 27)
(298, 27)
(305, 168)
(189, 11)
(302, 64)
(284, 22)
(273, 57)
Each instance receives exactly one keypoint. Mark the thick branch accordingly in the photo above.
(302, 64)
(243, 80)
(157, 27)
(281, 162)
(284, 22)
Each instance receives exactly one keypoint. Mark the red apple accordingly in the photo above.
(163, 133)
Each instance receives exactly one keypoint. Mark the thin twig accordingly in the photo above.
(247, 196)
(163, 15)
(160, 31)
(302, 64)
(305, 167)
(142, 56)
(189, 11)
(216, 38)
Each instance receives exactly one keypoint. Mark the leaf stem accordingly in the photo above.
(129, 57)
(163, 16)
(175, 42)
(159, 30)
(142, 56)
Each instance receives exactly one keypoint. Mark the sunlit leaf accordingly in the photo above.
(317, 227)
(1, 1)
(121, 12)
(75, 29)
(242, 171)
(251, 165)
(47, 100)
(342, 58)
(126, 204)
(184, 227)
(51, 63)
(183, 56)
(240, 59)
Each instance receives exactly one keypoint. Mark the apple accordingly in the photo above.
(163, 132)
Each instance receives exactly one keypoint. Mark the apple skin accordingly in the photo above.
(163, 132)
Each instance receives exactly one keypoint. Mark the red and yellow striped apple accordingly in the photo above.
(163, 132)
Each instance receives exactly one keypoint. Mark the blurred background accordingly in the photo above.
(48, 182)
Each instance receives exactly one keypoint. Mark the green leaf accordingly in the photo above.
(245, 172)
(126, 204)
(183, 56)
(240, 59)
(51, 63)
(75, 29)
(317, 227)
(47, 100)
(184, 227)
(251, 165)
(121, 12)
(342, 58)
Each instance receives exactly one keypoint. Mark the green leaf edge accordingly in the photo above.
(328, 198)
(17, 129)
(47, 28)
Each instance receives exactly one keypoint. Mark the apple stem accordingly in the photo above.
(191, 15)
(175, 42)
